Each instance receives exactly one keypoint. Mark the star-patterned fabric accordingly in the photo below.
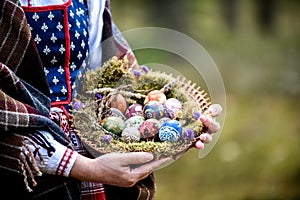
(61, 35)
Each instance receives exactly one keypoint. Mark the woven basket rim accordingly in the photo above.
(162, 149)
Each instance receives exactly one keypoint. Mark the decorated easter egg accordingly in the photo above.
(170, 131)
(149, 128)
(113, 124)
(133, 110)
(135, 121)
(172, 108)
(117, 101)
(114, 112)
(155, 95)
(153, 109)
(131, 134)
(164, 119)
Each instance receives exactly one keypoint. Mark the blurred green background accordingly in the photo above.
(256, 46)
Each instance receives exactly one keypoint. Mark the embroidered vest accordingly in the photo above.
(61, 36)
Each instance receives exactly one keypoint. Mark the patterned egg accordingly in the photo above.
(117, 101)
(115, 113)
(131, 134)
(170, 131)
(133, 110)
(113, 124)
(172, 108)
(155, 95)
(135, 121)
(164, 119)
(149, 129)
(153, 109)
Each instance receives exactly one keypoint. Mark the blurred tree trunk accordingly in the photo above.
(266, 10)
(229, 10)
(168, 13)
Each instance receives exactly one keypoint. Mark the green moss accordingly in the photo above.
(115, 75)
(111, 72)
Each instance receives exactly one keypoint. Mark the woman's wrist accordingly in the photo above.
(84, 169)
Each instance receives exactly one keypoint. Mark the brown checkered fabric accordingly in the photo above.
(24, 102)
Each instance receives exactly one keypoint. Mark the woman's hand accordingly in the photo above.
(211, 123)
(120, 169)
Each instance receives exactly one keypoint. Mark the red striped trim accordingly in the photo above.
(91, 190)
(98, 196)
(67, 61)
(30, 8)
(65, 111)
(64, 162)
(68, 54)
(61, 103)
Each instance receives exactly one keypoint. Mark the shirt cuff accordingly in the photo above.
(60, 162)
(63, 160)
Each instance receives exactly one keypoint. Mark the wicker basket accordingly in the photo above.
(134, 83)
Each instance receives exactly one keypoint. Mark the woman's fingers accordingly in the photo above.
(150, 167)
(206, 137)
(215, 110)
(134, 158)
(210, 123)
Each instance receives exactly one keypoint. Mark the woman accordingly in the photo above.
(43, 44)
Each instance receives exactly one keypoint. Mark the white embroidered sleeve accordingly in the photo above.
(60, 162)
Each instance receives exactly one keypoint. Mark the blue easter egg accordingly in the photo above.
(170, 131)
(153, 109)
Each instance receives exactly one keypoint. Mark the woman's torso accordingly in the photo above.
(60, 31)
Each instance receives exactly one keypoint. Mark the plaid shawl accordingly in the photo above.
(24, 102)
